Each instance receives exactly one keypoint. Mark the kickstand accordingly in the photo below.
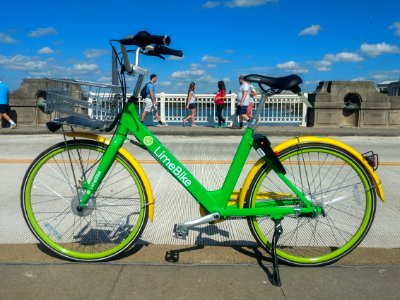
(276, 279)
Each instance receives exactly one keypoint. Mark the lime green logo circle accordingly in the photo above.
(148, 140)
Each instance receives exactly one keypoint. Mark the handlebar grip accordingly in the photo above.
(167, 51)
(143, 38)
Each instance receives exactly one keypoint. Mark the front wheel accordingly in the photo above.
(330, 177)
(112, 220)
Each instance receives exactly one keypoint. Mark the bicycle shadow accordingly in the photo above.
(261, 259)
(130, 251)
(253, 251)
(264, 262)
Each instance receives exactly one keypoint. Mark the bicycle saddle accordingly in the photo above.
(289, 83)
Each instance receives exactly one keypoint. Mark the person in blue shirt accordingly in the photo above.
(150, 102)
(4, 107)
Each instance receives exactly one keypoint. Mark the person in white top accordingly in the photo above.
(191, 104)
(243, 101)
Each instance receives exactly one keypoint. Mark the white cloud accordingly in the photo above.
(312, 30)
(45, 50)
(396, 28)
(85, 67)
(386, 75)
(105, 79)
(92, 53)
(211, 4)
(215, 60)
(187, 73)
(323, 65)
(22, 63)
(236, 3)
(292, 66)
(379, 49)
(207, 79)
(229, 51)
(344, 56)
(6, 39)
(42, 31)
(358, 79)
(194, 66)
(247, 3)
(172, 57)
(164, 83)
(312, 82)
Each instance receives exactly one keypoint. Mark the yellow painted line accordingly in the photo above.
(189, 162)
(15, 161)
(185, 162)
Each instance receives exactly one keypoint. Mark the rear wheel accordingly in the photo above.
(111, 222)
(330, 177)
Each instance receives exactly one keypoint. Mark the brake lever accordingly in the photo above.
(154, 54)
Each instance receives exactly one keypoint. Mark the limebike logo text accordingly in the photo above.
(176, 170)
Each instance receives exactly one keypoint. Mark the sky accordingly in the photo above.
(318, 40)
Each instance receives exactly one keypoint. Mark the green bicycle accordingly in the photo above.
(309, 201)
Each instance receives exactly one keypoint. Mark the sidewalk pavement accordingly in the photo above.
(205, 131)
(195, 272)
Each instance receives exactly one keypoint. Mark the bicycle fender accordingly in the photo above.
(130, 158)
(312, 139)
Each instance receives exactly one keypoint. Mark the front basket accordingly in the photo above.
(83, 104)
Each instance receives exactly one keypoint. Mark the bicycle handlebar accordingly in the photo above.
(162, 50)
(149, 45)
(143, 38)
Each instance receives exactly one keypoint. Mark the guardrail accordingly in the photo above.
(279, 110)
(282, 109)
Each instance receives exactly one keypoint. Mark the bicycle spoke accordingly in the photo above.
(110, 222)
(329, 178)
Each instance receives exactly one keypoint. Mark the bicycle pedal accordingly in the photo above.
(172, 256)
(180, 231)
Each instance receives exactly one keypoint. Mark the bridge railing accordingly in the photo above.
(282, 109)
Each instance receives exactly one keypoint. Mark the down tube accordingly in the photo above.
(176, 169)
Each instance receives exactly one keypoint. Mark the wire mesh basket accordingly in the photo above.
(83, 104)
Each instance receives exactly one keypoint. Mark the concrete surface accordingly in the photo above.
(199, 272)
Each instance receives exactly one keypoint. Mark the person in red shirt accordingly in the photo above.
(220, 103)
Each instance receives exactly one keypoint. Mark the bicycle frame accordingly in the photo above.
(212, 201)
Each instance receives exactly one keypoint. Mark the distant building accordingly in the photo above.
(392, 88)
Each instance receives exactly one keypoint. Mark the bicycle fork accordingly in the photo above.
(101, 171)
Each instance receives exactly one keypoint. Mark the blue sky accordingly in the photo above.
(318, 40)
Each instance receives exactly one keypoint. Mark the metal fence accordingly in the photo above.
(282, 109)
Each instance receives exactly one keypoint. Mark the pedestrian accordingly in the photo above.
(150, 101)
(253, 94)
(219, 100)
(4, 104)
(243, 101)
(191, 104)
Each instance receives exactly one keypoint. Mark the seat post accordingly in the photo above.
(260, 106)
